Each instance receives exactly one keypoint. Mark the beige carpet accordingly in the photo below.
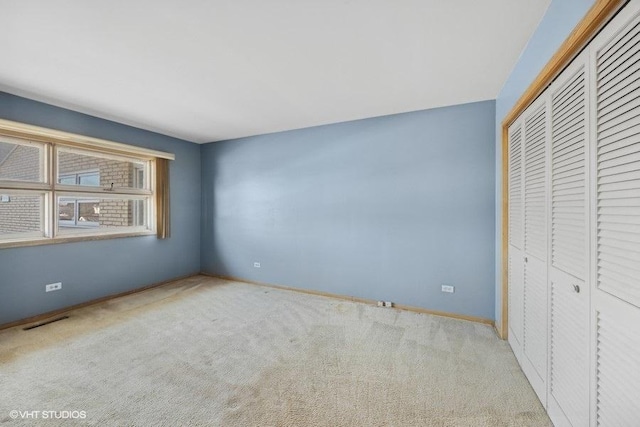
(204, 351)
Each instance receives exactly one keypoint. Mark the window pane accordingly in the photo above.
(86, 214)
(89, 211)
(89, 179)
(20, 215)
(67, 211)
(21, 162)
(68, 179)
(86, 169)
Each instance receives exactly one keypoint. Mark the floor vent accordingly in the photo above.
(37, 325)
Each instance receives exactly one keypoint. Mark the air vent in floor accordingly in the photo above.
(37, 325)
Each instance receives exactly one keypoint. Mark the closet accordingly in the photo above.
(574, 234)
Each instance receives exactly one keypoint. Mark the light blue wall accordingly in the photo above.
(384, 208)
(91, 270)
(560, 19)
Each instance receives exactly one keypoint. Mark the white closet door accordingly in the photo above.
(535, 175)
(617, 365)
(515, 268)
(616, 215)
(569, 209)
(534, 363)
(618, 165)
(569, 295)
(516, 233)
(535, 246)
(569, 351)
(516, 300)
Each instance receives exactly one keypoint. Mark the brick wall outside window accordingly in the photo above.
(21, 213)
(113, 213)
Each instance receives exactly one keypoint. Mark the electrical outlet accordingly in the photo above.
(380, 303)
(448, 288)
(256, 264)
(388, 304)
(53, 287)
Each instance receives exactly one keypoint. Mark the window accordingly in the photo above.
(74, 187)
(79, 212)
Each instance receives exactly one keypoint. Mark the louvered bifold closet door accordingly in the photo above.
(535, 246)
(568, 168)
(516, 218)
(569, 300)
(616, 107)
(618, 366)
(515, 268)
(618, 166)
(535, 230)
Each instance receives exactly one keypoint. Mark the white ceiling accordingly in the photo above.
(209, 70)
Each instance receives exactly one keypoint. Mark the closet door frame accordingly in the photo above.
(599, 14)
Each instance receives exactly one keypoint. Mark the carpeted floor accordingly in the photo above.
(205, 351)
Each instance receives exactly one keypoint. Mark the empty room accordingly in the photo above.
(320, 213)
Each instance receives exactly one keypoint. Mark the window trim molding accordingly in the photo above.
(39, 241)
(40, 134)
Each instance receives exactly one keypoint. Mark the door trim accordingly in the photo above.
(597, 16)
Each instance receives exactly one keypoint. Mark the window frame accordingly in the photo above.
(53, 142)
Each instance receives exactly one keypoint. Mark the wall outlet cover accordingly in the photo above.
(53, 287)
